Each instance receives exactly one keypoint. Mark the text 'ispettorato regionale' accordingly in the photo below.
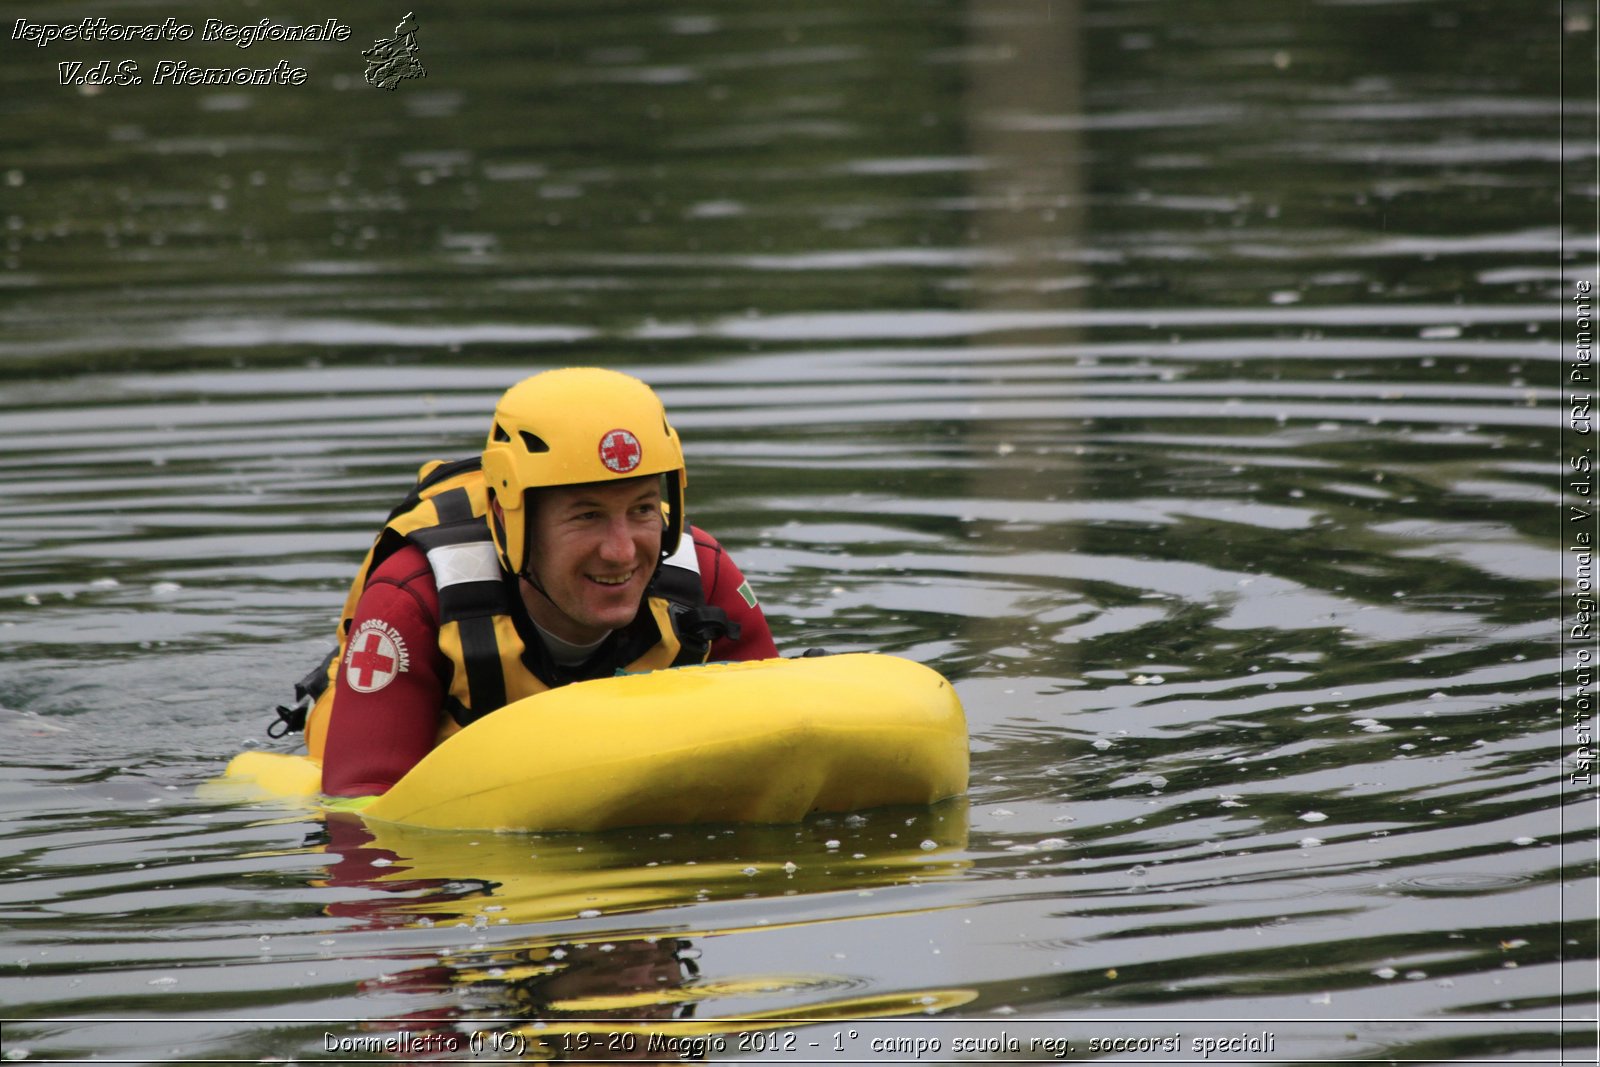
(121, 71)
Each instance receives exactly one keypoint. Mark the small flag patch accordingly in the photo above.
(747, 593)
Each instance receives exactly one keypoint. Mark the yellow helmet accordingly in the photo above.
(571, 427)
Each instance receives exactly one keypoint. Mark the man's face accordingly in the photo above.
(593, 550)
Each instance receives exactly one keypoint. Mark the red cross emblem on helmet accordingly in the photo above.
(620, 451)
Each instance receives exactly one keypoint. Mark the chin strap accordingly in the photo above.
(534, 584)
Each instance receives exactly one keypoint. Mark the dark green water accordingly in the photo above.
(1185, 381)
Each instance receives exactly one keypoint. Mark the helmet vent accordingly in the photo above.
(500, 433)
(533, 442)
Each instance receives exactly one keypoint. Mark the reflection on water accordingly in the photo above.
(1182, 382)
(622, 994)
(531, 878)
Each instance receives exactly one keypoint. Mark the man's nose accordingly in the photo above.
(617, 544)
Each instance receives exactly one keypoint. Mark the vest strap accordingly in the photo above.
(472, 591)
(486, 681)
(466, 570)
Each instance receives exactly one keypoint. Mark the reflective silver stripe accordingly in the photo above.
(684, 557)
(474, 561)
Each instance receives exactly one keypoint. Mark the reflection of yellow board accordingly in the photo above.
(767, 742)
(532, 879)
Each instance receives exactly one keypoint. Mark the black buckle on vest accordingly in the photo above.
(706, 624)
(292, 719)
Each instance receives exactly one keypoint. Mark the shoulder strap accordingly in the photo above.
(472, 591)
(430, 477)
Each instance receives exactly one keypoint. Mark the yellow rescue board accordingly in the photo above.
(763, 742)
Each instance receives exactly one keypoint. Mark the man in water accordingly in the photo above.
(563, 555)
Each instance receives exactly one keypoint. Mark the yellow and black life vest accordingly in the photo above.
(484, 632)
